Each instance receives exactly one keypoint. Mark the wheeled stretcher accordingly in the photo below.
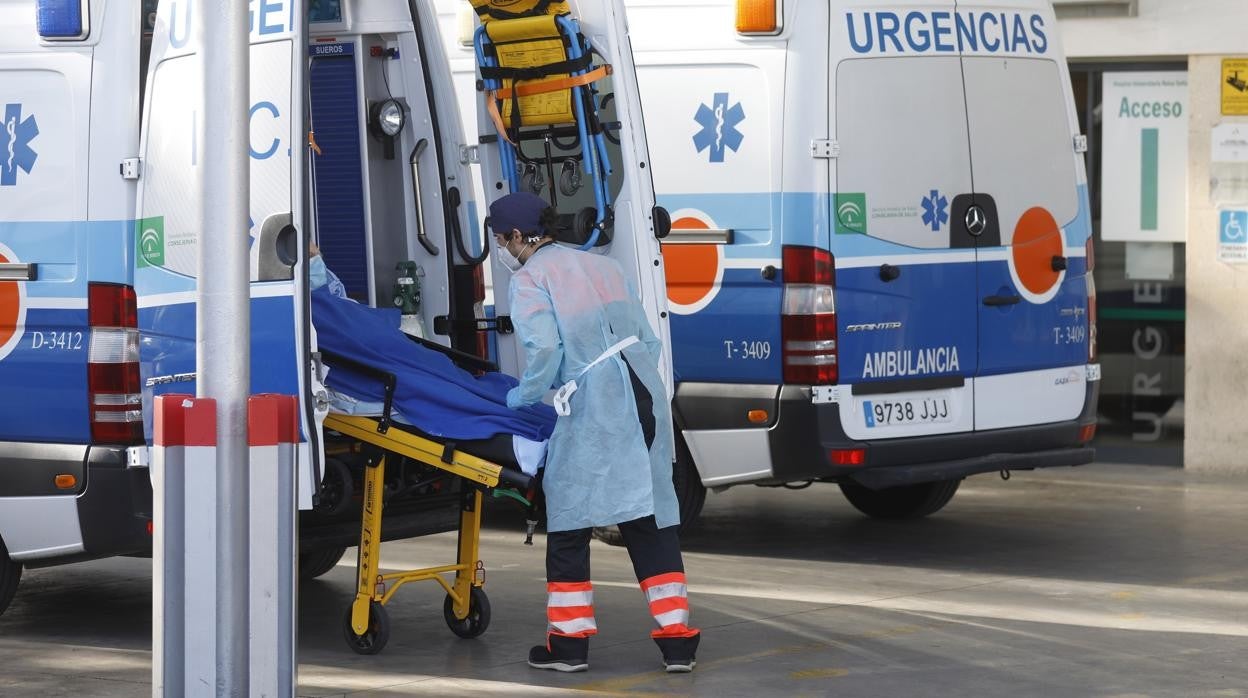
(539, 79)
(478, 467)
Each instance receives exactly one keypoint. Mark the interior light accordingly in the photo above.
(389, 117)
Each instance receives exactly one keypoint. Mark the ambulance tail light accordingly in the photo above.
(808, 323)
(1091, 283)
(62, 20)
(478, 309)
(115, 401)
(759, 16)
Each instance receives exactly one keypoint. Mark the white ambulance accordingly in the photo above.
(355, 144)
(880, 270)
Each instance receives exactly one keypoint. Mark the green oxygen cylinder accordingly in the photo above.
(407, 297)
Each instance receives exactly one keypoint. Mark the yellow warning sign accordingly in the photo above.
(1235, 86)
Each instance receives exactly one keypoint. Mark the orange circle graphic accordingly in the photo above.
(691, 270)
(10, 308)
(1037, 240)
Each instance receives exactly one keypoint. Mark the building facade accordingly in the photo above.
(1162, 92)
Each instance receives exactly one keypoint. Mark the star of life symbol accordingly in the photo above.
(935, 210)
(719, 127)
(15, 150)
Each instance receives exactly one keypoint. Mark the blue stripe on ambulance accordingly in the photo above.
(50, 359)
(748, 304)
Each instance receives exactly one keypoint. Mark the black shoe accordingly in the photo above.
(679, 666)
(679, 652)
(541, 658)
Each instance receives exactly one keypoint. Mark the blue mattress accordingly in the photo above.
(432, 393)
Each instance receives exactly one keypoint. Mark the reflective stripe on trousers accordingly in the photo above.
(570, 609)
(668, 597)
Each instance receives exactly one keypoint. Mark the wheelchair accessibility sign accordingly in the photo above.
(1233, 235)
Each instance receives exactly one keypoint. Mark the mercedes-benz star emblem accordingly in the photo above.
(976, 221)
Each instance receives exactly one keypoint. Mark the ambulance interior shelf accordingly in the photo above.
(537, 70)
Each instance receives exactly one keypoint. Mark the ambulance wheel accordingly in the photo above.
(905, 502)
(690, 492)
(337, 488)
(315, 563)
(375, 638)
(478, 618)
(10, 575)
(690, 497)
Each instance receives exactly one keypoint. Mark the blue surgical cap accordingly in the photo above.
(519, 211)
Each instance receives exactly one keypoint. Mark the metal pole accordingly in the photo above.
(223, 338)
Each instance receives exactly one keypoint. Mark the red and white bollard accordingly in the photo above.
(273, 434)
(184, 463)
(185, 568)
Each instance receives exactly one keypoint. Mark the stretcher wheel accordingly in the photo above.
(478, 614)
(375, 638)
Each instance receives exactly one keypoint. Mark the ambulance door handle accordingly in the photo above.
(998, 301)
(889, 273)
(414, 161)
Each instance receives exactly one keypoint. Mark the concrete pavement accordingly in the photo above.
(1100, 581)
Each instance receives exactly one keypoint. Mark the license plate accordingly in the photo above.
(886, 413)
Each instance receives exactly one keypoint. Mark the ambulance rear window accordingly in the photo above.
(901, 127)
(1022, 141)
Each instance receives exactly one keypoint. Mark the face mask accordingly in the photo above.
(317, 274)
(508, 259)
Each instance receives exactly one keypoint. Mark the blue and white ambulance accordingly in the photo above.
(355, 144)
(879, 272)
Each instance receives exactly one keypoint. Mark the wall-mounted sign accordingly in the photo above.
(1235, 86)
(1144, 156)
(1228, 167)
(1233, 234)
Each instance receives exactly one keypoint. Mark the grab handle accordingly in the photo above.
(414, 161)
(998, 301)
(18, 272)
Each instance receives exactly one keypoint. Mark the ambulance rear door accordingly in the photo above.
(167, 234)
(633, 243)
(1027, 220)
(905, 295)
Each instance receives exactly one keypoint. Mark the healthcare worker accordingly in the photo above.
(610, 458)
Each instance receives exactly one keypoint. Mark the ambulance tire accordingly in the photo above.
(375, 637)
(315, 563)
(690, 492)
(690, 496)
(10, 575)
(905, 502)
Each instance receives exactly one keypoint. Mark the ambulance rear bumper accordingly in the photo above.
(104, 513)
(798, 441)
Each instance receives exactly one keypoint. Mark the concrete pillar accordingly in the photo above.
(1216, 433)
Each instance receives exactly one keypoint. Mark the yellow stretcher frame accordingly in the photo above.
(366, 617)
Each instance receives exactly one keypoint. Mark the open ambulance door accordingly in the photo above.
(167, 233)
(636, 225)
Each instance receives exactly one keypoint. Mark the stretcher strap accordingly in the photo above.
(493, 97)
(537, 71)
(553, 85)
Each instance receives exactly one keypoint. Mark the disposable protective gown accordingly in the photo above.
(568, 308)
